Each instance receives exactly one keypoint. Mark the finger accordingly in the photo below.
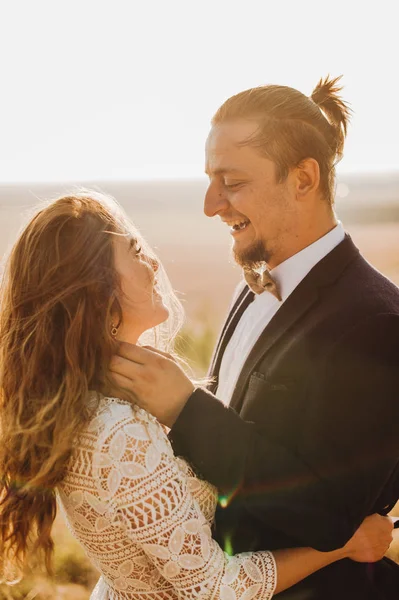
(395, 522)
(122, 381)
(124, 386)
(136, 354)
(161, 352)
(129, 369)
(389, 523)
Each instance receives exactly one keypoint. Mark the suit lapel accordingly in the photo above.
(296, 306)
(239, 307)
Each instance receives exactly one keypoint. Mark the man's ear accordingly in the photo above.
(307, 178)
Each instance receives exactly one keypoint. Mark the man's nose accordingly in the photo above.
(215, 200)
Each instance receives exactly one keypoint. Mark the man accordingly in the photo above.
(299, 429)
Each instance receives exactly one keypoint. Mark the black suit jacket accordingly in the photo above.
(310, 443)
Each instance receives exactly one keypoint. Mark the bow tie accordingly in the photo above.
(260, 282)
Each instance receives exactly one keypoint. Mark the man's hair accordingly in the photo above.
(293, 127)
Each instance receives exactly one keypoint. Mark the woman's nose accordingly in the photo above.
(154, 264)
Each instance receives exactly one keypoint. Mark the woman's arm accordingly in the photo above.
(294, 564)
(149, 494)
(369, 544)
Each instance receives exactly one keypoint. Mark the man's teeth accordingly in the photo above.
(237, 225)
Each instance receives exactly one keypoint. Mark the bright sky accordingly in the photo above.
(123, 89)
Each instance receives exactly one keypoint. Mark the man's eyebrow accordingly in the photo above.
(222, 171)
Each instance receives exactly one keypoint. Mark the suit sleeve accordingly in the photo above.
(344, 444)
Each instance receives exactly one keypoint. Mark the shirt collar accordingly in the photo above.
(290, 273)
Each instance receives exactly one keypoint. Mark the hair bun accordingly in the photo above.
(337, 112)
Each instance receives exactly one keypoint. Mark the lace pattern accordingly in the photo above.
(145, 519)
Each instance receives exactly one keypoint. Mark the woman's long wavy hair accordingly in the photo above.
(59, 291)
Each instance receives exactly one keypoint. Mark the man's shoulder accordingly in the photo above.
(360, 300)
(365, 286)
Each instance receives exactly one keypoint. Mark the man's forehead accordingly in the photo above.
(231, 133)
(226, 150)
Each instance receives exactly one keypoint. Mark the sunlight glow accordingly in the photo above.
(114, 91)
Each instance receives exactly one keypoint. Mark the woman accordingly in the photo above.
(79, 278)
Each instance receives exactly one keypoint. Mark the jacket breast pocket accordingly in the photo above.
(272, 404)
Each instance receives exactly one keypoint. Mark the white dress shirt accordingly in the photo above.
(260, 312)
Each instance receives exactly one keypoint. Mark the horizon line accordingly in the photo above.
(163, 179)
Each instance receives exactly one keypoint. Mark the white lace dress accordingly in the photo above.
(144, 518)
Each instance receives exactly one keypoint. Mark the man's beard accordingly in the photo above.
(252, 257)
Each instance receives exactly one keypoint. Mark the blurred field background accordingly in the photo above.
(196, 254)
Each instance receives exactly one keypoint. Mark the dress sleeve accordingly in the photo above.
(148, 494)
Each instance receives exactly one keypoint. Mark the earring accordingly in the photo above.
(114, 330)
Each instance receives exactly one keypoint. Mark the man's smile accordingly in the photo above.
(237, 225)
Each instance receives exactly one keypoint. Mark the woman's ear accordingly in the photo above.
(115, 312)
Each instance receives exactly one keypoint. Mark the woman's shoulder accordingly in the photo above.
(111, 415)
(129, 447)
(109, 409)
